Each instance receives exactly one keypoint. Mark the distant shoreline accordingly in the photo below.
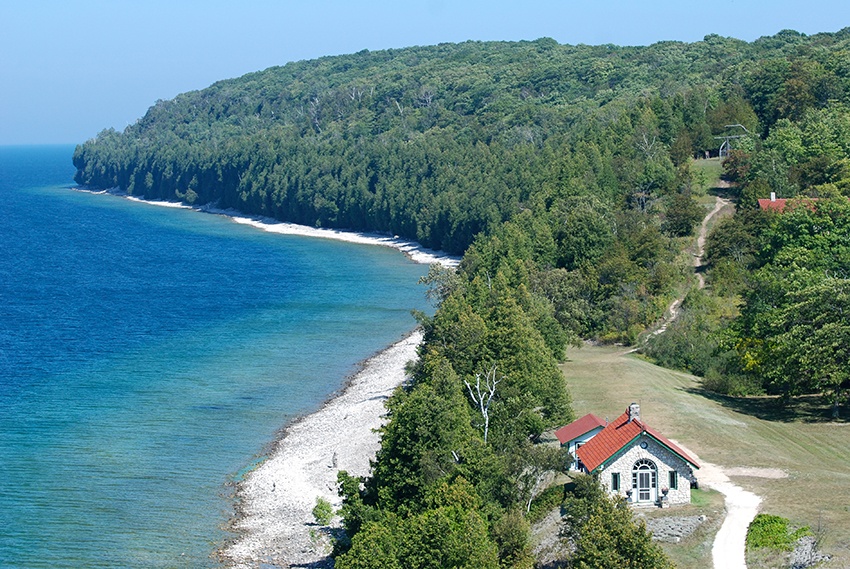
(274, 501)
(413, 250)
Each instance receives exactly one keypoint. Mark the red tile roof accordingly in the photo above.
(777, 204)
(579, 427)
(617, 435)
(780, 204)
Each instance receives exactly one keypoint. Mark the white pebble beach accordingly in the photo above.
(275, 527)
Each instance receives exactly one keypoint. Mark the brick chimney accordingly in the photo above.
(634, 412)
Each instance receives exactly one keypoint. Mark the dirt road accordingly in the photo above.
(673, 310)
(729, 549)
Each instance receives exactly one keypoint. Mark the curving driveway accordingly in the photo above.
(729, 549)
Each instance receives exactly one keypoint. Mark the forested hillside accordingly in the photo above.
(774, 318)
(563, 175)
(438, 143)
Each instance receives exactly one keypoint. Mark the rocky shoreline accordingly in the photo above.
(273, 522)
(275, 527)
(412, 249)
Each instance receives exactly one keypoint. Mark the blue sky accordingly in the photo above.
(69, 68)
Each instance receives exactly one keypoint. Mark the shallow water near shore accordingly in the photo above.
(148, 354)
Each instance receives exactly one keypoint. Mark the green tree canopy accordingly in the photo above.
(604, 534)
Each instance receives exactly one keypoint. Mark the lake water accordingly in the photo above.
(147, 356)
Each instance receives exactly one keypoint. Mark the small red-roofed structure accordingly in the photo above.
(775, 204)
(632, 459)
(780, 204)
(577, 433)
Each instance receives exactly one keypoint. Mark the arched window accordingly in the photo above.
(644, 480)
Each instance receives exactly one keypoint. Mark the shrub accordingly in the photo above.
(767, 530)
(323, 512)
(547, 501)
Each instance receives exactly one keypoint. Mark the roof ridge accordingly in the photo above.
(619, 433)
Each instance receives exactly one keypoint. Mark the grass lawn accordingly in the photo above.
(730, 432)
(707, 173)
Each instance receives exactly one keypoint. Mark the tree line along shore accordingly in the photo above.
(565, 175)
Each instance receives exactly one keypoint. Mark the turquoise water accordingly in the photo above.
(148, 354)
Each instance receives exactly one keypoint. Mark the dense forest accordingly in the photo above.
(774, 318)
(563, 174)
(439, 143)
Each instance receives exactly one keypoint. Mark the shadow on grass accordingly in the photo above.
(721, 192)
(803, 409)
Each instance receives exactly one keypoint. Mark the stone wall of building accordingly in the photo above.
(664, 460)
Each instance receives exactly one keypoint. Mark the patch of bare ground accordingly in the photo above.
(774, 473)
(549, 549)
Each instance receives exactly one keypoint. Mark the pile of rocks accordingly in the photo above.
(806, 553)
(673, 529)
(550, 551)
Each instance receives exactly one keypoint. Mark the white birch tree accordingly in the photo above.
(483, 394)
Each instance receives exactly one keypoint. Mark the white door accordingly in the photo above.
(644, 480)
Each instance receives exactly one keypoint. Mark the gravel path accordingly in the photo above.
(719, 204)
(729, 549)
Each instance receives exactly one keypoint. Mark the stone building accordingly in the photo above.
(633, 460)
